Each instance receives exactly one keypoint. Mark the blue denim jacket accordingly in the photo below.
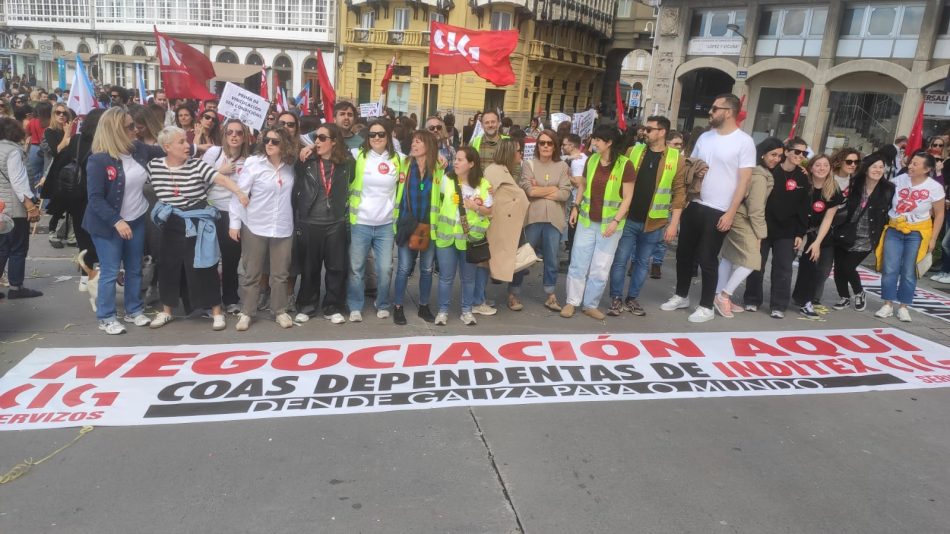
(105, 185)
(207, 253)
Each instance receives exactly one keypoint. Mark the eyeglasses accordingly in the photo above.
(324, 138)
(936, 145)
(271, 118)
(850, 162)
(713, 109)
(208, 117)
(798, 152)
(649, 129)
(234, 133)
(286, 124)
(271, 141)
(59, 113)
(376, 135)
(545, 143)
(434, 128)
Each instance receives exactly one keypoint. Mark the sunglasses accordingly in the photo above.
(286, 124)
(234, 133)
(713, 109)
(850, 162)
(376, 135)
(545, 143)
(271, 141)
(649, 129)
(324, 138)
(937, 145)
(271, 118)
(59, 113)
(208, 117)
(798, 152)
(434, 128)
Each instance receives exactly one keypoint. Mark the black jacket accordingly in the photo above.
(307, 182)
(788, 205)
(879, 203)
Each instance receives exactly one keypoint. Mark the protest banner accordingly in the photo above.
(558, 118)
(243, 105)
(528, 152)
(930, 303)
(63, 387)
(583, 124)
(370, 109)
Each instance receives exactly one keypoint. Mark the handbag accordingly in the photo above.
(525, 257)
(476, 251)
(411, 232)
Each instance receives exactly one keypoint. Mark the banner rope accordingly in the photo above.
(23, 468)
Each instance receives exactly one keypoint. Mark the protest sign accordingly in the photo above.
(558, 118)
(528, 152)
(583, 124)
(243, 105)
(63, 387)
(370, 109)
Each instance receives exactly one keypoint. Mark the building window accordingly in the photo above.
(852, 20)
(83, 48)
(118, 74)
(139, 51)
(310, 64)
(118, 50)
(886, 21)
(792, 23)
(881, 23)
(254, 59)
(500, 20)
(285, 72)
(368, 19)
(436, 17)
(227, 56)
(401, 18)
(624, 8)
(912, 21)
(28, 44)
(714, 23)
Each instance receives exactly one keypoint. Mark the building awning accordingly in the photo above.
(71, 56)
(234, 72)
(118, 58)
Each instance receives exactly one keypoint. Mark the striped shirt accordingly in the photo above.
(184, 186)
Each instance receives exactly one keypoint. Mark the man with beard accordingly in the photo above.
(731, 156)
(487, 143)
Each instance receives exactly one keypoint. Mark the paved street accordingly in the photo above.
(847, 463)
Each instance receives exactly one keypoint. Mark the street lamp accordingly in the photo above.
(734, 28)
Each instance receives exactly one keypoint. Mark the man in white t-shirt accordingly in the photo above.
(730, 154)
(576, 159)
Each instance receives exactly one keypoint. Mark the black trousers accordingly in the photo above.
(178, 254)
(230, 257)
(322, 247)
(846, 271)
(76, 208)
(811, 273)
(700, 242)
(783, 254)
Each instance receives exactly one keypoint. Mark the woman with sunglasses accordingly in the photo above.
(815, 262)
(417, 197)
(547, 182)
(377, 171)
(865, 216)
(55, 139)
(320, 200)
(265, 227)
(462, 191)
(185, 119)
(844, 165)
(916, 214)
(207, 132)
(228, 159)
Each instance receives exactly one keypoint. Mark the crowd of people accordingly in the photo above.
(178, 206)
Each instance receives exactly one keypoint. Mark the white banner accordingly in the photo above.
(54, 388)
(370, 109)
(243, 105)
(558, 118)
(583, 124)
(528, 152)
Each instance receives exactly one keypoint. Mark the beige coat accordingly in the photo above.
(510, 203)
(741, 246)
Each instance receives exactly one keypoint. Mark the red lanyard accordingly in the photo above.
(327, 184)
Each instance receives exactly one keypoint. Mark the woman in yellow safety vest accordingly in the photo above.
(463, 190)
(603, 202)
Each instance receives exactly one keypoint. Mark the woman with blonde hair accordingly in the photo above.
(147, 125)
(56, 138)
(815, 262)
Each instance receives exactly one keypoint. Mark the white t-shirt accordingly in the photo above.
(218, 195)
(725, 155)
(378, 197)
(914, 202)
(579, 166)
(134, 204)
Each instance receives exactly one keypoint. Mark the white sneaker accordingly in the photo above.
(336, 318)
(903, 314)
(676, 302)
(941, 278)
(218, 323)
(701, 315)
(244, 322)
(84, 283)
(441, 318)
(284, 320)
(468, 319)
(484, 309)
(112, 327)
(161, 319)
(233, 309)
(382, 314)
(301, 318)
(886, 311)
(139, 320)
(356, 317)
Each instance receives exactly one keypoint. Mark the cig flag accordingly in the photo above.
(453, 49)
(185, 70)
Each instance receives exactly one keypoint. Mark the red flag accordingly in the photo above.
(277, 101)
(263, 91)
(621, 119)
(185, 71)
(453, 49)
(742, 112)
(915, 141)
(388, 75)
(798, 109)
(327, 94)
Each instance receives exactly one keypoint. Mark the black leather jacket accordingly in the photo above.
(308, 182)
(879, 203)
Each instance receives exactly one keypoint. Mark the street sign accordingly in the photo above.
(742, 74)
(46, 50)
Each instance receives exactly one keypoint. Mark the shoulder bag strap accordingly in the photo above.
(462, 216)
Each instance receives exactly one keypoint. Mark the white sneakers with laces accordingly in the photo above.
(676, 302)
(701, 315)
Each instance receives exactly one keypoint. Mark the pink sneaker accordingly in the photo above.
(723, 306)
(736, 308)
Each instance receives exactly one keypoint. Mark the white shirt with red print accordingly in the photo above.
(914, 202)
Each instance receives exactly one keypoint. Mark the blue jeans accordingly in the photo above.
(591, 258)
(659, 252)
(380, 238)
(899, 276)
(636, 246)
(407, 259)
(544, 238)
(14, 247)
(482, 275)
(34, 166)
(112, 251)
(452, 259)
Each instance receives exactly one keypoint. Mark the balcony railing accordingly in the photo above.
(543, 50)
(372, 36)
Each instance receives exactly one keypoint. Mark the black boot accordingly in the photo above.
(399, 316)
(426, 314)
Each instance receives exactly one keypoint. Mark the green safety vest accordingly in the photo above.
(356, 186)
(612, 196)
(477, 142)
(433, 195)
(663, 196)
(447, 230)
